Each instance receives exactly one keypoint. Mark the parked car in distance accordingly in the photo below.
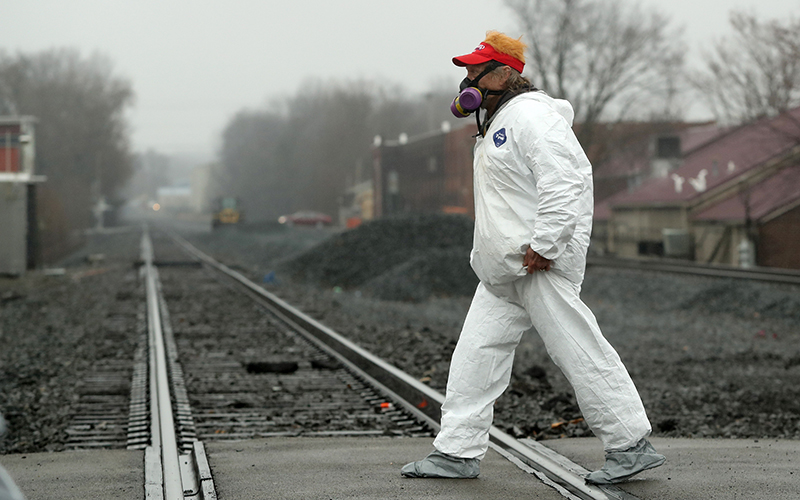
(306, 218)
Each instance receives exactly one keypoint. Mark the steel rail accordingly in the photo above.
(422, 401)
(766, 274)
(164, 439)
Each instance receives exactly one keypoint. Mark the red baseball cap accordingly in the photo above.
(485, 53)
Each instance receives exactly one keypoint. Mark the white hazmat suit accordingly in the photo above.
(533, 186)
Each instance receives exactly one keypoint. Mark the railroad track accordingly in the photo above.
(766, 274)
(256, 368)
(408, 399)
(260, 368)
(235, 386)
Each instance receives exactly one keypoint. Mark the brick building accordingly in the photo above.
(429, 173)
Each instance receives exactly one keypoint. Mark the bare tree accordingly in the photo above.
(755, 73)
(611, 60)
(82, 132)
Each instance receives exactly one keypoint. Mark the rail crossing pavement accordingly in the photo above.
(369, 468)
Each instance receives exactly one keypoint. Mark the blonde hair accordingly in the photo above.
(506, 45)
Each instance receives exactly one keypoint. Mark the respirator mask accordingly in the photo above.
(471, 96)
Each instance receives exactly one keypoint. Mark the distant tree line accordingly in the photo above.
(301, 154)
(82, 143)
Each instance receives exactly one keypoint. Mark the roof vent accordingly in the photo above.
(699, 184)
(678, 182)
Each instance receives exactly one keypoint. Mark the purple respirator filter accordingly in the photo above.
(466, 102)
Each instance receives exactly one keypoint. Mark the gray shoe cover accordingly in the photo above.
(622, 465)
(438, 464)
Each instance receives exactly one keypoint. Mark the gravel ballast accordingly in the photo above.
(711, 357)
(55, 328)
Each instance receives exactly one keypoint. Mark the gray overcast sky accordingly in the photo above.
(195, 63)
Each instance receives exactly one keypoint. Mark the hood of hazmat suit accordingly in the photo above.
(533, 186)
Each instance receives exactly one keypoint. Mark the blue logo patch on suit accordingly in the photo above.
(499, 137)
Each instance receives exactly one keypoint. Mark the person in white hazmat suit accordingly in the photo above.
(533, 219)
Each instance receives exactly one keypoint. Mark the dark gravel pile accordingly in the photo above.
(398, 258)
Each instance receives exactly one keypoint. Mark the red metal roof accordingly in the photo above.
(719, 161)
(699, 135)
(764, 199)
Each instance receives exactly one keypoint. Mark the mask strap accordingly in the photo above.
(493, 65)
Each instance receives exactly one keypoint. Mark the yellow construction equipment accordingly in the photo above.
(227, 210)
